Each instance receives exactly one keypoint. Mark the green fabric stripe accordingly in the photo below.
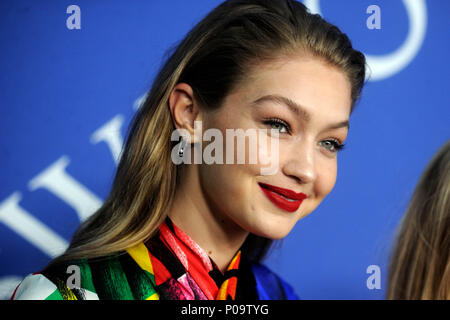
(55, 296)
(113, 277)
(151, 277)
(109, 279)
(141, 284)
(86, 276)
(149, 282)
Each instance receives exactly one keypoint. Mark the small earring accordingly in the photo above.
(181, 149)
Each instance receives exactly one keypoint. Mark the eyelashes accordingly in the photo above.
(278, 122)
(332, 145)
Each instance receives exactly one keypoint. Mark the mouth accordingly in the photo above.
(284, 199)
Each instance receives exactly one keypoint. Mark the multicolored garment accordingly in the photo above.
(170, 266)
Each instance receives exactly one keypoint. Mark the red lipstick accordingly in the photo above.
(284, 199)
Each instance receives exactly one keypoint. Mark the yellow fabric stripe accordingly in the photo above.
(140, 254)
(232, 264)
(70, 295)
(66, 293)
(154, 296)
(222, 295)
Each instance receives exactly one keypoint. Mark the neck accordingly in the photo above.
(207, 226)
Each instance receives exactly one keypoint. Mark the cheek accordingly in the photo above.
(229, 184)
(326, 177)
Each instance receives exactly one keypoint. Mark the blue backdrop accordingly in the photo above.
(68, 95)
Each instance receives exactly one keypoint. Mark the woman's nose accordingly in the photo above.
(301, 163)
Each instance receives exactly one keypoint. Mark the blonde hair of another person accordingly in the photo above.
(420, 262)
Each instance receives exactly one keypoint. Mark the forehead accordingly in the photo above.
(323, 90)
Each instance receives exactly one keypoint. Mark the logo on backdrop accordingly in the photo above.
(385, 66)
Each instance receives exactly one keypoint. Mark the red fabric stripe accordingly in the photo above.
(161, 272)
(196, 249)
(196, 267)
(14, 294)
(231, 290)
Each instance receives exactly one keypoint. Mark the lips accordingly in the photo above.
(284, 199)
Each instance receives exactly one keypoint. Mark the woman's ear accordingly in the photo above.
(184, 108)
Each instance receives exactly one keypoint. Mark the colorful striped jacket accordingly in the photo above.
(170, 266)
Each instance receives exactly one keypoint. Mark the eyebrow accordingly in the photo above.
(298, 110)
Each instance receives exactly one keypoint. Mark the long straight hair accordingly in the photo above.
(213, 57)
(420, 264)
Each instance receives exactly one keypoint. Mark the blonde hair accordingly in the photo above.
(214, 56)
(420, 263)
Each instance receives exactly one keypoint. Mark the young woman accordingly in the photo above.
(200, 230)
(420, 263)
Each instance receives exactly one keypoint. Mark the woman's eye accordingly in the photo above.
(332, 145)
(279, 125)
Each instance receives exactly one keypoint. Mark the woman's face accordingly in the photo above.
(308, 102)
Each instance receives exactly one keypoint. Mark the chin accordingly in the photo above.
(273, 228)
(272, 234)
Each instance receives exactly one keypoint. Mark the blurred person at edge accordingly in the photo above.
(420, 262)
